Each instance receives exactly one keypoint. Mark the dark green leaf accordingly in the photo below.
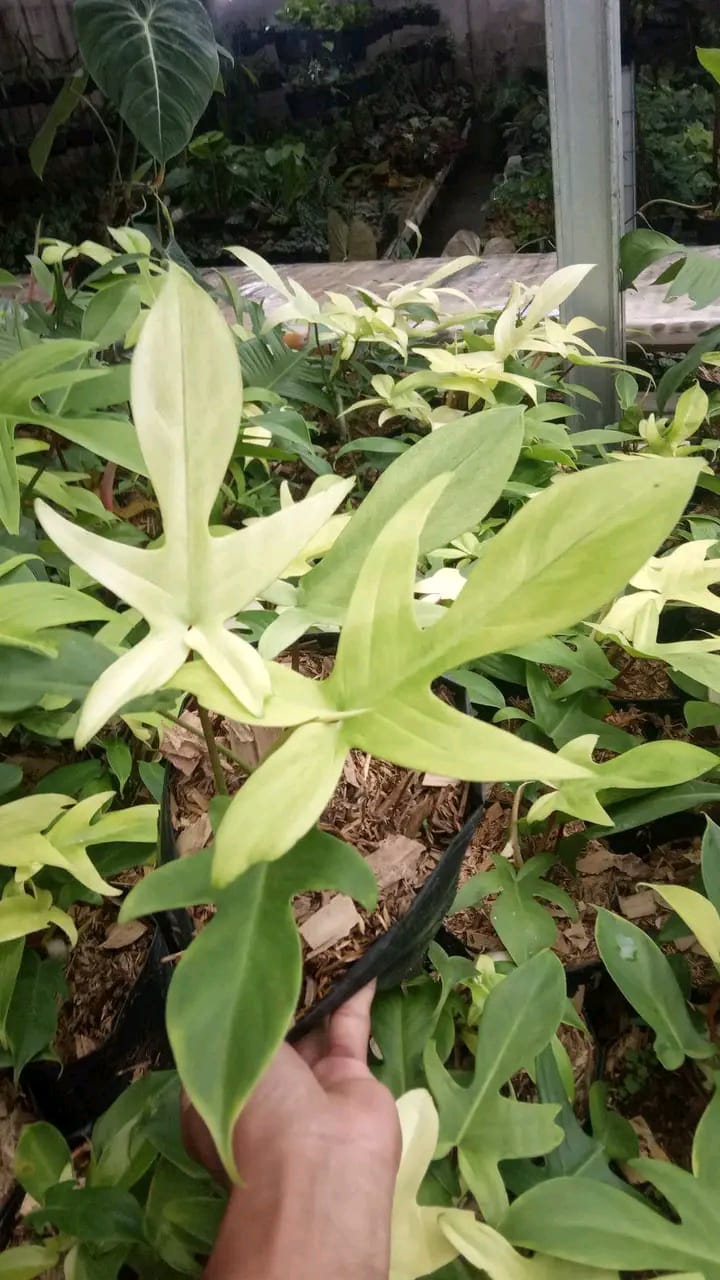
(153, 778)
(41, 1157)
(481, 692)
(29, 677)
(72, 779)
(403, 1022)
(11, 954)
(99, 1215)
(32, 1017)
(678, 372)
(157, 64)
(640, 249)
(10, 777)
(519, 1019)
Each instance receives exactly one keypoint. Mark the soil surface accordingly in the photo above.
(101, 972)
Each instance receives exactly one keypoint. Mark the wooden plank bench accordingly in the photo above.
(651, 321)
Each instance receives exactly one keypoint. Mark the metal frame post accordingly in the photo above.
(585, 85)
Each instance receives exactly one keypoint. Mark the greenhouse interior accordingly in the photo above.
(359, 899)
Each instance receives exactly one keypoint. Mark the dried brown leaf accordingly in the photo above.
(123, 935)
(395, 859)
(331, 923)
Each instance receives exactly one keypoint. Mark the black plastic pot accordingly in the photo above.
(311, 103)
(300, 44)
(74, 1095)
(708, 230)
(642, 840)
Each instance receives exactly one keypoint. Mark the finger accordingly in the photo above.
(313, 1047)
(348, 1034)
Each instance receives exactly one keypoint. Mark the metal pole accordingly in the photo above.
(584, 74)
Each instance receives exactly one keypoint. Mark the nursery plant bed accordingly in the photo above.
(605, 875)
(421, 202)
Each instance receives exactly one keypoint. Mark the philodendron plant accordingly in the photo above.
(560, 559)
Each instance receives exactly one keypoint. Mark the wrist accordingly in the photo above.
(322, 1215)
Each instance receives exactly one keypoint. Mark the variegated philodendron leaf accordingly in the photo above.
(566, 552)
(187, 401)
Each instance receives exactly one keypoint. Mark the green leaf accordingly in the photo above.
(187, 400)
(710, 60)
(186, 882)
(241, 1021)
(680, 370)
(32, 1018)
(280, 801)
(658, 764)
(30, 611)
(523, 926)
(9, 485)
(30, 677)
(640, 249)
(564, 554)
(698, 277)
(59, 114)
(645, 977)
(637, 812)
(403, 1021)
(373, 444)
(480, 453)
(11, 954)
(10, 777)
(42, 1157)
(24, 913)
(123, 1138)
(578, 1155)
(111, 312)
(641, 1238)
(50, 366)
(26, 1261)
(480, 691)
(120, 760)
(711, 862)
(157, 65)
(99, 1215)
(520, 1017)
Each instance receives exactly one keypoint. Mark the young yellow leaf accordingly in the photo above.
(418, 1245)
(697, 913)
(187, 402)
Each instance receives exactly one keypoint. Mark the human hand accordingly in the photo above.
(317, 1148)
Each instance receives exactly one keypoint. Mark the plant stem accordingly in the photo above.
(224, 751)
(212, 746)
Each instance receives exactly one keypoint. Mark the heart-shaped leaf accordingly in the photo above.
(158, 65)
